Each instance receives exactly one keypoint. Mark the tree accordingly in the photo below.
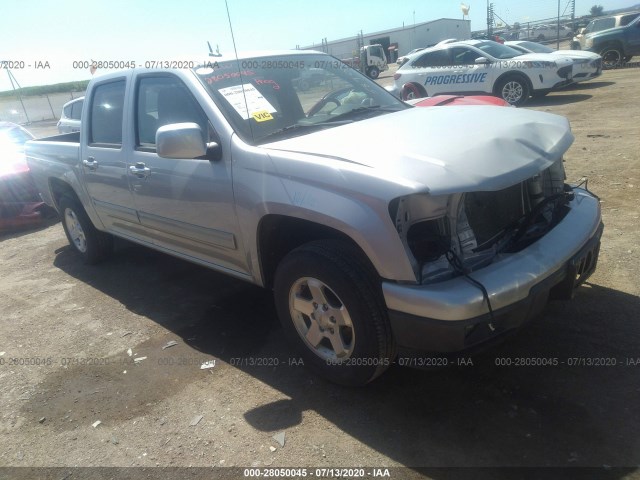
(516, 25)
(596, 10)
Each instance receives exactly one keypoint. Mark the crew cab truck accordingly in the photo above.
(424, 244)
(616, 45)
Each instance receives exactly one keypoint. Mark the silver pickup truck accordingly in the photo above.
(380, 227)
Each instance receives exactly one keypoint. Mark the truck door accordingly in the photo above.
(633, 39)
(103, 161)
(184, 205)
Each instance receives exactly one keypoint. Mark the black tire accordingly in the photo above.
(92, 244)
(612, 56)
(347, 309)
(513, 89)
(373, 72)
(411, 91)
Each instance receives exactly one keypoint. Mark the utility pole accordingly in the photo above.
(573, 15)
(490, 19)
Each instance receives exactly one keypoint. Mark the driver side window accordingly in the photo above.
(163, 100)
(463, 56)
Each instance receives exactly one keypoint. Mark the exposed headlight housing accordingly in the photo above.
(476, 228)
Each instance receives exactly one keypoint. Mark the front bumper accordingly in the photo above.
(453, 315)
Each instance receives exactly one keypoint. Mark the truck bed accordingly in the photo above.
(53, 157)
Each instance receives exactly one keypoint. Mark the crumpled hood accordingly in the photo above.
(444, 149)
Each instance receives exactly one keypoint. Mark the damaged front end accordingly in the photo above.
(450, 235)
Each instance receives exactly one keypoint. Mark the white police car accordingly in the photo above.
(482, 66)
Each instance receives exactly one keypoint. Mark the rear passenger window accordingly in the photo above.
(627, 19)
(76, 110)
(107, 108)
(439, 58)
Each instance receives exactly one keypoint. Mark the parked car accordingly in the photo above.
(545, 32)
(615, 45)
(493, 38)
(71, 116)
(599, 24)
(482, 66)
(586, 65)
(19, 199)
(401, 60)
(448, 242)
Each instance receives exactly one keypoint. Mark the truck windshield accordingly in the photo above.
(271, 97)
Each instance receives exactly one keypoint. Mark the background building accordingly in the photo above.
(398, 41)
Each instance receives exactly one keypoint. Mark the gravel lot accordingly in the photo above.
(70, 334)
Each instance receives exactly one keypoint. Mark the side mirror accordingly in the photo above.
(180, 140)
(482, 61)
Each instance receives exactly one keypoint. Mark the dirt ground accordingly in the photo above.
(70, 334)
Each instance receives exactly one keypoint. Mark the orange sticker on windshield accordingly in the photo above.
(262, 116)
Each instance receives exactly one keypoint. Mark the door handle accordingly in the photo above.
(90, 163)
(140, 170)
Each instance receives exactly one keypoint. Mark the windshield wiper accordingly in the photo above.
(300, 128)
(359, 110)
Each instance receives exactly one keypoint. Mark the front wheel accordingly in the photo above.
(331, 308)
(374, 72)
(514, 90)
(92, 244)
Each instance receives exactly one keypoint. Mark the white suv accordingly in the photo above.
(70, 118)
(481, 66)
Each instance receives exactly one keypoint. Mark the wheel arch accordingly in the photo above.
(58, 189)
(277, 235)
(420, 87)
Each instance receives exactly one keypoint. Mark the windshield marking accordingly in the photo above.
(250, 99)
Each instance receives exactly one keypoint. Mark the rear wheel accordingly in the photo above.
(330, 304)
(513, 89)
(411, 91)
(92, 244)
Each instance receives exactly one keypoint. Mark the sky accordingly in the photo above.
(54, 35)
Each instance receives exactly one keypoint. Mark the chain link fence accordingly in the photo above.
(36, 108)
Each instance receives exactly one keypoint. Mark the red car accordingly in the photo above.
(20, 202)
(458, 100)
